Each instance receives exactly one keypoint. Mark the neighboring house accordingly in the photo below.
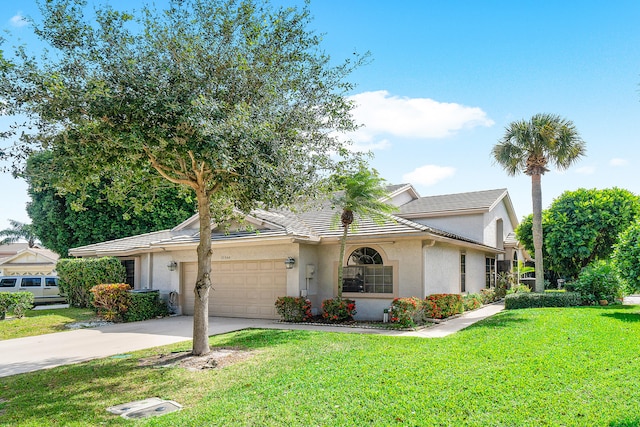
(19, 261)
(439, 244)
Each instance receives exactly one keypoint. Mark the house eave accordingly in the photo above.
(453, 212)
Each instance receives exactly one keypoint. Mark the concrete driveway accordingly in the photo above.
(47, 351)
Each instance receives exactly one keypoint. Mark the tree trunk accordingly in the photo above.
(536, 198)
(203, 281)
(343, 244)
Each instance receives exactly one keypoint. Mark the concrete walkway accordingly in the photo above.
(63, 348)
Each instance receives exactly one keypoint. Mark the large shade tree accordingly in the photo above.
(232, 99)
(60, 224)
(529, 146)
(581, 227)
(361, 194)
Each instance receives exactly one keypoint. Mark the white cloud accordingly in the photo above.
(380, 113)
(361, 146)
(618, 162)
(586, 170)
(429, 174)
(18, 20)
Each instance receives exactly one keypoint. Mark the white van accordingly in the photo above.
(44, 288)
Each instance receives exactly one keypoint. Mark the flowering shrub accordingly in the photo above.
(440, 306)
(338, 310)
(472, 302)
(111, 300)
(408, 312)
(294, 309)
(488, 295)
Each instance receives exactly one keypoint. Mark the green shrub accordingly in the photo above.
(408, 312)
(78, 276)
(597, 282)
(519, 288)
(294, 309)
(472, 302)
(144, 306)
(536, 300)
(505, 281)
(626, 257)
(440, 306)
(18, 302)
(111, 300)
(338, 310)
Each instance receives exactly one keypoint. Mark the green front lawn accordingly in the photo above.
(536, 367)
(38, 322)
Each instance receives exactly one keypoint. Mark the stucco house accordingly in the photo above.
(440, 244)
(18, 259)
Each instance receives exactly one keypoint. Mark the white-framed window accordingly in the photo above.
(463, 272)
(365, 272)
(490, 272)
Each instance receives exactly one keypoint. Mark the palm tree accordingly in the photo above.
(18, 231)
(529, 146)
(361, 196)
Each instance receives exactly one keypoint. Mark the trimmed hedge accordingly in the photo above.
(408, 312)
(144, 306)
(294, 309)
(18, 302)
(78, 276)
(440, 306)
(537, 300)
(338, 310)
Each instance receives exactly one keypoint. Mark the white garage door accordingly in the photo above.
(239, 288)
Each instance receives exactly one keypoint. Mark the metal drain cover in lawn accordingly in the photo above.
(146, 408)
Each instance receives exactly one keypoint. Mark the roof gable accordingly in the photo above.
(452, 204)
(31, 256)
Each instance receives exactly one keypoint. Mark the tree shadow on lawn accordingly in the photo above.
(79, 394)
(630, 313)
(626, 423)
(503, 319)
(261, 338)
(625, 317)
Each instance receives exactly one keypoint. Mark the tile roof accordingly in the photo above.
(471, 201)
(141, 241)
(313, 225)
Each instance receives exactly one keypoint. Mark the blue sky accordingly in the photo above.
(446, 77)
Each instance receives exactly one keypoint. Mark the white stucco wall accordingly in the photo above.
(442, 269)
(490, 221)
(475, 271)
(469, 226)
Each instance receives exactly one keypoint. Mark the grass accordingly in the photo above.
(542, 367)
(39, 322)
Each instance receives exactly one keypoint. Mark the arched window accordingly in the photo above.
(365, 272)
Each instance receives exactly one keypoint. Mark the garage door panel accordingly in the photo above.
(240, 289)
